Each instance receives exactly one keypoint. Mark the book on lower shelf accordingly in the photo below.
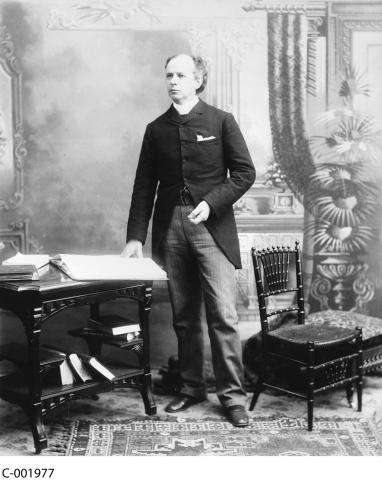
(18, 354)
(62, 373)
(115, 325)
(117, 340)
(98, 367)
(80, 370)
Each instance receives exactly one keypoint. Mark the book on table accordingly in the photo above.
(38, 260)
(12, 273)
(24, 267)
(114, 325)
(108, 267)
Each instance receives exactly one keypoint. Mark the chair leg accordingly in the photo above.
(349, 394)
(359, 364)
(310, 414)
(258, 389)
(359, 394)
(310, 379)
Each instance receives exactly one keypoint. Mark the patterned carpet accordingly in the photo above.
(279, 436)
(116, 424)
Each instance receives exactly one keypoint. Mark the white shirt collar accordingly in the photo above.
(186, 107)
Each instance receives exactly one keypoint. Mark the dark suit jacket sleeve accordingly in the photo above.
(142, 199)
(241, 170)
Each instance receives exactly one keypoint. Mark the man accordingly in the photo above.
(186, 153)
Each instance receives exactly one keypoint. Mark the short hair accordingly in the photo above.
(200, 66)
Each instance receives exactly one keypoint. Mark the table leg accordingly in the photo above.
(94, 311)
(94, 344)
(32, 324)
(144, 313)
(37, 427)
(147, 395)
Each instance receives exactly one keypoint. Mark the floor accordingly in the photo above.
(15, 437)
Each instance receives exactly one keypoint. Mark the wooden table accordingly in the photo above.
(34, 303)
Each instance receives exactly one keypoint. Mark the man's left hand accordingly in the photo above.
(200, 213)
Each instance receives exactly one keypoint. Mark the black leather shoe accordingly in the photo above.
(182, 403)
(237, 416)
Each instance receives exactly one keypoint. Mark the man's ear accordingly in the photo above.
(198, 80)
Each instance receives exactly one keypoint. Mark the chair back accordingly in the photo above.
(272, 268)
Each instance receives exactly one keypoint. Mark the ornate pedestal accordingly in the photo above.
(342, 283)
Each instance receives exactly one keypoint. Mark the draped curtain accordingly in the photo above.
(287, 75)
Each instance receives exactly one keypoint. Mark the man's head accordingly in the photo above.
(186, 76)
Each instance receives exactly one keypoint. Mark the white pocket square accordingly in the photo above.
(200, 138)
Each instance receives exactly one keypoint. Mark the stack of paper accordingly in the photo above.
(108, 267)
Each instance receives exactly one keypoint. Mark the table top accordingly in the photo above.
(55, 283)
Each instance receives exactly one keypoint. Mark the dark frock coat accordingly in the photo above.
(218, 170)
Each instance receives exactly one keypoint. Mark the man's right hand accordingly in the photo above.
(133, 248)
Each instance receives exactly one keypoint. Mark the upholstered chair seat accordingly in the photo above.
(371, 332)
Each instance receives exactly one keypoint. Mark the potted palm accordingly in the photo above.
(343, 192)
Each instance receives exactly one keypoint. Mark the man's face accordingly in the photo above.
(181, 79)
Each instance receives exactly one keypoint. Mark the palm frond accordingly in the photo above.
(353, 141)
(343, 211)
(344, 240)
(330, 118)
(352, 179)
(353, 83)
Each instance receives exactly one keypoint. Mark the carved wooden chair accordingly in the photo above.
(301, 359)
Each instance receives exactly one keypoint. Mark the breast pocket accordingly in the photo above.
(208, 155)
(210, 141)
(212, 147)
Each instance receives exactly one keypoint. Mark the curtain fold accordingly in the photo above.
(287, 76)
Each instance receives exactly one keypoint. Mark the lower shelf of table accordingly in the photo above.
(14, 388)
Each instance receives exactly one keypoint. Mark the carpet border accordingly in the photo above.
(374, 425)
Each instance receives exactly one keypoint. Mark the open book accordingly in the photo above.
(108, 267)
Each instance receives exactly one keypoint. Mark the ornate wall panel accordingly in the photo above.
(226, 43)
(12, 149)
(14, 235)
(344, 19)
(14, 239)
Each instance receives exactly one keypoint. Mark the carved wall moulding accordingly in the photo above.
(12, 149)
(14, 239)
(317, 26)
(373, 8)
(103, 15)
(275, 5)
(347, 27)
(225, 44)
(237, 36)
(343, 21)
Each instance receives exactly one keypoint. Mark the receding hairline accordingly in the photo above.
(180, 55)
